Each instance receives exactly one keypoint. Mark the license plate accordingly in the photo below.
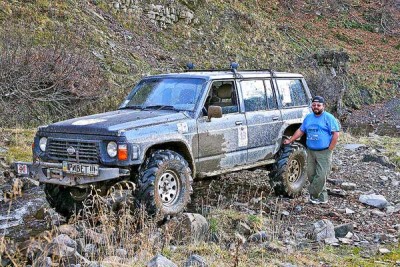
(78, 168)
(22, 169)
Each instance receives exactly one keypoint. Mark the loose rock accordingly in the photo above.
(195, 261)
(322, 230)
(259, 237)
(160, 261)
(348, 186)
(377, 201)
(343, 229)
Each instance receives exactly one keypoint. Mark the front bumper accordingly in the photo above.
(48, 172)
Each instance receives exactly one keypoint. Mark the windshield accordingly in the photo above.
(166, 93)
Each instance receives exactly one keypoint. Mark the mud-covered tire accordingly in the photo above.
(289, 172)
(164, 183)
(61, 200)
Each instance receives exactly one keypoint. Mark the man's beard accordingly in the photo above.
(317, 112)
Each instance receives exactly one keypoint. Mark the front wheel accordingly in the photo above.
(165, 183)
(65, 200)
(289, 172)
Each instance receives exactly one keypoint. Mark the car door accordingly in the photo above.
(263, 117)
(222, 141)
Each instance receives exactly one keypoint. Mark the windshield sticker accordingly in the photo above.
(242, 136)
(87, 122)
(182, 127)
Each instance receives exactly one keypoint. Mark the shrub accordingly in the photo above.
(41, 83)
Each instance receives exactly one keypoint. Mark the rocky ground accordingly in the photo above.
(359, 172)
(382, 119)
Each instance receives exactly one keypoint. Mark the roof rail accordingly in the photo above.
(192, 70)
(233, 68)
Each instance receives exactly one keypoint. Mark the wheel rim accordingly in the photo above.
(168, 188)
(294, 170)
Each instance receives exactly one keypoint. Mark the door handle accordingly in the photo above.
(238, 123)
(275, 118)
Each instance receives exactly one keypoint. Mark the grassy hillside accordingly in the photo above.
(347, 50)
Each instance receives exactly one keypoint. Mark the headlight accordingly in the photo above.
(43, 143)
(112, 149)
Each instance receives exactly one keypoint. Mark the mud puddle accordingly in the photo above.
(223, 190)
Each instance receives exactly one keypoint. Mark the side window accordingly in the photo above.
(223, 94)
(271, 98)
(291, 92)
(254, 95)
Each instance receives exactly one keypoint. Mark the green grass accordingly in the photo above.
(19, 144)
(352, 24)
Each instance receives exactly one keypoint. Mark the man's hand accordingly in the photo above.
(296, 135)
(287, 142)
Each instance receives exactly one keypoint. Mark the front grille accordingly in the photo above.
(83, 152)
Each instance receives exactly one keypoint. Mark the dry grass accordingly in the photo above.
(19, 144)
(114, 234)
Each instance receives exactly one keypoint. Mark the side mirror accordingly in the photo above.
(214, 112)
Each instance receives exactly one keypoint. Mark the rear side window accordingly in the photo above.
(254, 95)
(291, 92)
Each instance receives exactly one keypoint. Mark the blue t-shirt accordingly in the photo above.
(319, 130)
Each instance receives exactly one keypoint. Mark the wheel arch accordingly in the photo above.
(291, 129)
(177, 146)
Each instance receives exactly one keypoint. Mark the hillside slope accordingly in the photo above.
(349, 50)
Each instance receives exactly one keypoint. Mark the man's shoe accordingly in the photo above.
(317, 201)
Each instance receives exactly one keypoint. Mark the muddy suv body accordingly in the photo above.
(172, 128)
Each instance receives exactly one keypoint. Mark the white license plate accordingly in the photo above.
(78, 168)
(22, 169)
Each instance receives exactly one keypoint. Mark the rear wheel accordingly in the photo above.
(165, 183)
(289, 172)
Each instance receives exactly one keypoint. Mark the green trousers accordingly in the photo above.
(318, 169)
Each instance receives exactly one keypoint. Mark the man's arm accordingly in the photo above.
(299, 133)
(333, 143)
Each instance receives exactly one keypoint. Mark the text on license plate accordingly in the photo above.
(78, 168)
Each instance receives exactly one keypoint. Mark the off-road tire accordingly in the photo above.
(164, 183)
(289, 172)
(61, 200)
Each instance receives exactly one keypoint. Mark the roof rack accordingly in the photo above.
(234, 66)
(203, 70)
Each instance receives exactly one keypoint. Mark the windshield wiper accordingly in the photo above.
(133, 107)
(159, 107)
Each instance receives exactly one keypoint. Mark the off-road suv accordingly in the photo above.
(172, 128)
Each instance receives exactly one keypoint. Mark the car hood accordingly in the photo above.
(111, 123)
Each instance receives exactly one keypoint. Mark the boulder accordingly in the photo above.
(259, 237)
(332, 241)
(383, 160)
(243, 228)
(322, 230)
(373, 200)
(343, 229)
(69, 230)
(189, 228)
(195, 261)
(353, 147)
(63, 239)
(160, 261)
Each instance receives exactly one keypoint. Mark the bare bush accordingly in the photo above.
(41, 83)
